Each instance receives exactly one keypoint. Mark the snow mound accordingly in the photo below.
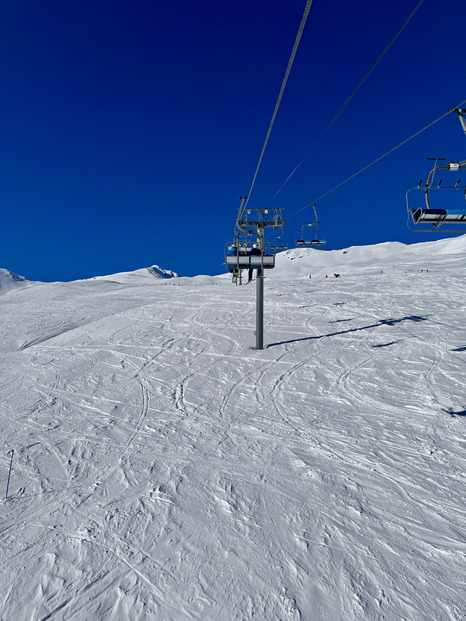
(10, 281)
(138, 277)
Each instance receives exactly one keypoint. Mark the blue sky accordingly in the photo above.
(130, 129)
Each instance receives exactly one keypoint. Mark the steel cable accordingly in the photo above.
(378, 159)
(282, 89)
(340, 110)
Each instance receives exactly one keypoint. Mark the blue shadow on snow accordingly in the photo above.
(382, 322)
(461, 413)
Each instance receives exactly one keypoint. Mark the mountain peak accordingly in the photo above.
(10, 280)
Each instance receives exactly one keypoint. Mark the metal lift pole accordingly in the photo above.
(260, 294)
(461, 112)
(246, 222)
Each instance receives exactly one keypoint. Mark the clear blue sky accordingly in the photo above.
(130, 129)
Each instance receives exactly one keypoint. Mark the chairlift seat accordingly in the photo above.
(268, 261)
(437, 216)
(250, 261)
(309, 242)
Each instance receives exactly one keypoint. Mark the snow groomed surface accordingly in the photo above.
(164, 470)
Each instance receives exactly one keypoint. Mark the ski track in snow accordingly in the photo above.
(164, 470)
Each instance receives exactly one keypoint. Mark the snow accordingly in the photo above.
(164, 470)
(141, 276)
(10, 281)
(372, 258)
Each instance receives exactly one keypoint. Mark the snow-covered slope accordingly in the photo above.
(10, 281)
(305, 262)
(141, 276)
(164, 470)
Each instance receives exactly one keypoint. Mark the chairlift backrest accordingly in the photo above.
(312, 239)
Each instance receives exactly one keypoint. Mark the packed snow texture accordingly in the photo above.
(164, 470)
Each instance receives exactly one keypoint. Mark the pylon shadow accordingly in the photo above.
(381, 322)
(460, 413)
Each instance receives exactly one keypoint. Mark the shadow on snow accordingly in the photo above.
(382, 322)
(460, 413)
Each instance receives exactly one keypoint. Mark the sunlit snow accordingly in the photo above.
(164, 470)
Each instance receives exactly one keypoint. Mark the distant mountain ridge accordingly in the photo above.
(10, 280)
(138, 276)
(158, 271)
(302, 262)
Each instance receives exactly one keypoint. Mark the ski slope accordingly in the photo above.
(164, 470)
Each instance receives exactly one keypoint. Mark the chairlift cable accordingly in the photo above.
(285, 79)
(340, 110)
(377, 160)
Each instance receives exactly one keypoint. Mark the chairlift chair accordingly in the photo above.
(276, 246)
(308, 240)
(250, 225)
(240, 255)
(445, 214)
(438, 216)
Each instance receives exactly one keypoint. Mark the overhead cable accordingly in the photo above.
(340, 110)
(285, 79)
(378, 159)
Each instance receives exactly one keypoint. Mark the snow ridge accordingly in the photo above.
(158, 271)
(305, 262)
(10, 281)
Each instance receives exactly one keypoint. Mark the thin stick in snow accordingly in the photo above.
(9, 472)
